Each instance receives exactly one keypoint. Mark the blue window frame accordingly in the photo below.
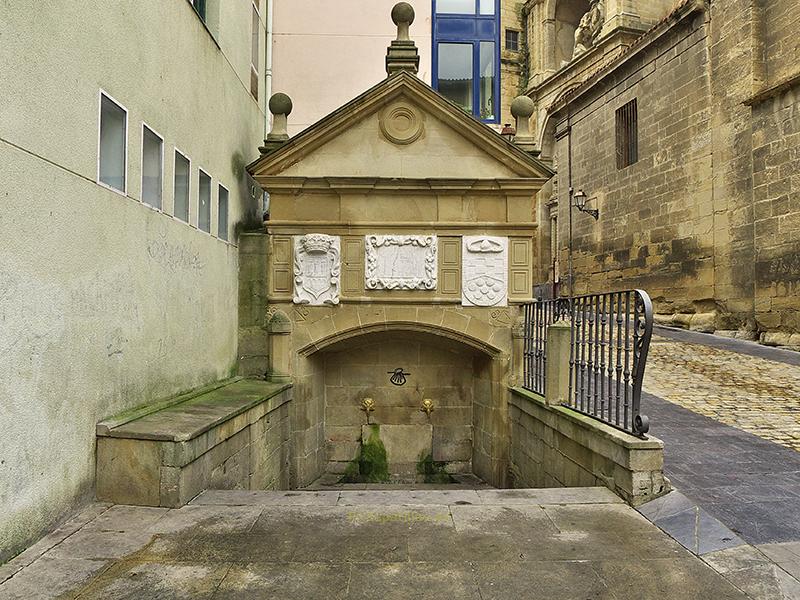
(466, 55)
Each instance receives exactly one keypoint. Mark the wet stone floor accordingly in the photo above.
(477, 544)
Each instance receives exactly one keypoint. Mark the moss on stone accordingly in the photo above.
(351, 474)
(431, 471)
(371, 465)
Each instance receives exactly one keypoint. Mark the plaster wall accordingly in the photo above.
(326, 53)
(106, 303)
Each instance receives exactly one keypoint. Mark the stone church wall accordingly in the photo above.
(776, 184)
(707, 219)
(656, 216)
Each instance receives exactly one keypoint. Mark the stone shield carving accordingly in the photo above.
(317, 267)
(484, 271)
(400, 262)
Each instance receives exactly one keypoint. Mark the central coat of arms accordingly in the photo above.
(317, 266)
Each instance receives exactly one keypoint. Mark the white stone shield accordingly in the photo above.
(484, 271)
(317, 267)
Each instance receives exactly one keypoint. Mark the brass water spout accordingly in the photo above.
(368, 406)
(427, 407)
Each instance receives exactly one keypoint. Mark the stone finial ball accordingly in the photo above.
(403, 12)
(280, 104)
(522, 107)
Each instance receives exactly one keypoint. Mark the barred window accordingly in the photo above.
(512, 40)
(627, 135)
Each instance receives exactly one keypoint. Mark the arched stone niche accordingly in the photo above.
(338, 362)
(568, 16)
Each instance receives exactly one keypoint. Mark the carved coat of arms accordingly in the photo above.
(400, 262)
(317, 267)
(484, 271)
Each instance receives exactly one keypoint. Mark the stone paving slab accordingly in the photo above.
(751, 570)
(274, 547)
(689, 525)
(786, 555)
(53, 538)
(389, 497)
(594, 495)
(749, 484)
(262, 498)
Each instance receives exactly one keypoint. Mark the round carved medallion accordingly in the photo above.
(401, 124)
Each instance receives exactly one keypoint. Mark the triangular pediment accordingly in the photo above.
(400, 128)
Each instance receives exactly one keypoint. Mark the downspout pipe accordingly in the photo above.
(268, 66)
(267, 89)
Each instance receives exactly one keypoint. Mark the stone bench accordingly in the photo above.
(234, 434)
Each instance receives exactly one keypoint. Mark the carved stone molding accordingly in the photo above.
(484, 271)
(401, 123)
(317, 267)
(400, 262)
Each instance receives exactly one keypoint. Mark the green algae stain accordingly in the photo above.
(431, 471)
(371, 465)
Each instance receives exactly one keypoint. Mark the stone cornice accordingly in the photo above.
(774, 90)
(645, 41)
(399, 186)
(617, 40)
(439, 227)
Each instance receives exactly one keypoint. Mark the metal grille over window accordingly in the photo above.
(152, 167)
(512, 40)
(222, 214)
(627, 125)
(181, 187)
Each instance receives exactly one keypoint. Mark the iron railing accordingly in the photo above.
(609, 340)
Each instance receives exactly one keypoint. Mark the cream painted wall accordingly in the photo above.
(326, 52)
(105, 303)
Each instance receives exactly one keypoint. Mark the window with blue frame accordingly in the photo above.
(466, 55)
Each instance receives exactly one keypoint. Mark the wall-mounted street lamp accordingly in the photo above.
(579, 199)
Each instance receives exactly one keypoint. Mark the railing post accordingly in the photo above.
(519, 341)
(279, 328)
(557, 371)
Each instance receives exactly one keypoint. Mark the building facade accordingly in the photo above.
(401, 245)
(687, 145)
(470, 50)
(124, 133)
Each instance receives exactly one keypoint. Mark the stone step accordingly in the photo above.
(534, 497)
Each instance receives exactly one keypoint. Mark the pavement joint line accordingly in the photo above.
(57, 543)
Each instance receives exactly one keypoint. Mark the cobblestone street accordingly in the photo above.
(753, 393)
